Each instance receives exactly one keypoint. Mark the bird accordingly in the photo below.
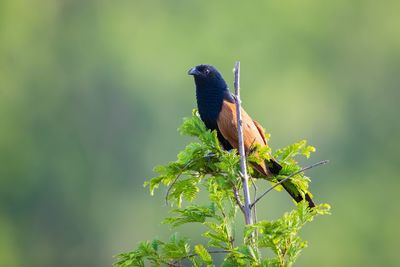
(217, 109)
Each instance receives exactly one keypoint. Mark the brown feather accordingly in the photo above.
(274, 166)
(253, 133)
(260, 130)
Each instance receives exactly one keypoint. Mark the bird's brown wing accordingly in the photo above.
(252, 135)
(260, 130)
(273, 165)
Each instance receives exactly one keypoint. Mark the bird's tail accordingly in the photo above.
(289, 186)
(295, 193)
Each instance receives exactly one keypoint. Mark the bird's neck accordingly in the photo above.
(209, 103)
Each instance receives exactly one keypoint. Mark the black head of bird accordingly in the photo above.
(208, 78)
(211, 90)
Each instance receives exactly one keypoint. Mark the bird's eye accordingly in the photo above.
(206, 71)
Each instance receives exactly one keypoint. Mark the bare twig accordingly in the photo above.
(237, 197)
(245, 179)
(288, 177)
(254, 197)
(254, 209)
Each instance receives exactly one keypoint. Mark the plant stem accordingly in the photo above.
(243, 168)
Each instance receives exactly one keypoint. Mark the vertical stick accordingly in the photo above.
(245, 177)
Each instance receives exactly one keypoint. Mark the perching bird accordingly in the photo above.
(217, 110)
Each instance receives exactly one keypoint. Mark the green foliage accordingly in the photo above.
(203, 165)
(281, 236)
(190, 214)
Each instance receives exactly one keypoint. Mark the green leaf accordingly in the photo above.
(186, 189)
(203, 254)
(289, 152)
(190, 214)
(219, 234)
(176, 248)
(192, 126)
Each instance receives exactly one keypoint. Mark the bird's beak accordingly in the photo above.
(193, 71)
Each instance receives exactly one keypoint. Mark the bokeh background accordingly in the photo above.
(92, 92)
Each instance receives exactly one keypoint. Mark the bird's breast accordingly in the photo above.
(209, 106)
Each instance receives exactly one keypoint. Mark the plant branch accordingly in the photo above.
(288, 177)
(243, 168)
(254, 197)
(237, 197)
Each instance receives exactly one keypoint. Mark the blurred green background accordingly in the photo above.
(91, 94)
